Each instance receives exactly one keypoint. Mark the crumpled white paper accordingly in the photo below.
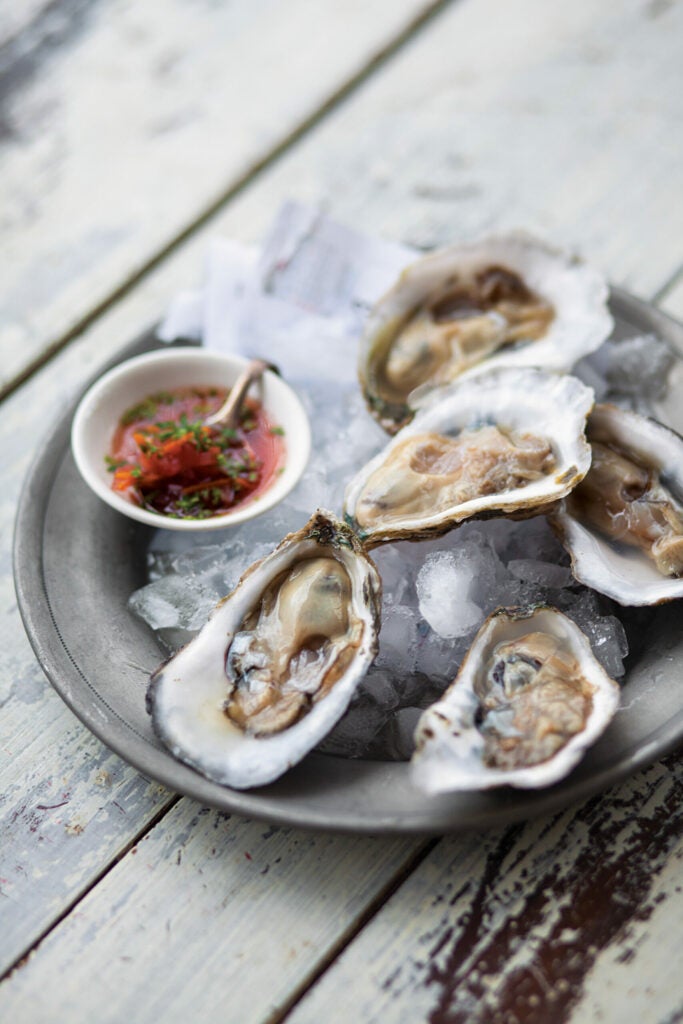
(299, 303)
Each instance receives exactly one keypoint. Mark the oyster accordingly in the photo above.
(277, 663)
(506, 301)
(623, 526)
(508, 442)
(528, 700)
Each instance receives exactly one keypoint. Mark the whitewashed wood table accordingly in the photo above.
(133, 132)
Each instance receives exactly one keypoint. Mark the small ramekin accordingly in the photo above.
(100, 409)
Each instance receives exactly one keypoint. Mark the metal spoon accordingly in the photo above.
(228, 414)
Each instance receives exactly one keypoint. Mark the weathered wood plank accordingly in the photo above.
(68, 807)
(124, 123)
(567, 918)
(388, 161)
(16, 18)
(212, 918)
(549, 123)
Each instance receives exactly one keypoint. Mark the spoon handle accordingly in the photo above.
(228, 414)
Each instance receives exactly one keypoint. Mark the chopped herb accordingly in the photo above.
(144, 411)
(224, 435)
(189, 501)
(147, 409)
(171, 463)
(148, 447)
(277, 431)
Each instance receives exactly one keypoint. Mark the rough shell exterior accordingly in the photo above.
(449, 746)
(549, 405)
(626, 575)
(577, 292)
(186, 695)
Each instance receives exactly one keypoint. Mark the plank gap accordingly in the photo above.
(669, 285)
(250, 176)
(346, 938)
(123, 852)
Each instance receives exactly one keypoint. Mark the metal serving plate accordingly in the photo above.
(76, 562)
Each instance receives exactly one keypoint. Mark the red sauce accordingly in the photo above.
(164, 459)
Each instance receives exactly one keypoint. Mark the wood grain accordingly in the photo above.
(556, 920)
(68, 807)
(198, 921)
(124, 122)
(550, 122)
(564, 120)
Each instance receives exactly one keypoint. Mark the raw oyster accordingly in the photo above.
(508, 442)
(528, 700)
(505, 301)
(278, 661)
(623, 527)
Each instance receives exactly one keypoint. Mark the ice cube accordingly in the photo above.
(354, 732)
(398, 640)
(175, 607)
(544, 574)
(311, 492)
(592, 373)
(381, 687)
(443, 586)
(391, 566)
(532, 538)
(610, 645)
(206, 557)
(398, 736)
(438, 658)
(640, 366)
(226, 572)
(174, 601)
(157, 611)
(159, 563)
(605, 632)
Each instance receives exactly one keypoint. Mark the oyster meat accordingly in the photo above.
(530, 697)
(506, 301)
(278, 661)
(508, 442)
(623, 525)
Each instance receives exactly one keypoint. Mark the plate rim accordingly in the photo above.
(42, 630)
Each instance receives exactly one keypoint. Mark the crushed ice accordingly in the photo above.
(436, 593)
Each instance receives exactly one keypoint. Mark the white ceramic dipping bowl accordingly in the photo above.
(100, 409)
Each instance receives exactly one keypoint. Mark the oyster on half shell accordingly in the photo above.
(503, 301)
(623, 526)
(508, 442)
(278, 661)
(528, 700)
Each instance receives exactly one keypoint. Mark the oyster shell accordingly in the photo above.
(508, 442)
(277, 663)
(503, 301)
(623, 527)
(528, 700)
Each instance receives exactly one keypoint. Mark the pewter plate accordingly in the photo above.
(76, 561)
